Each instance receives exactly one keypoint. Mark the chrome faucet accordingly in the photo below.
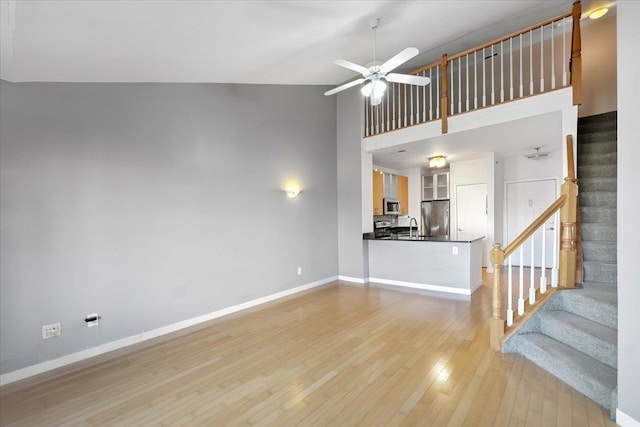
(411, 221)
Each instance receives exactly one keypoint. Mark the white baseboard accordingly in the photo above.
(49, 365)
(352, 279)
(625, 420)
(424, 286)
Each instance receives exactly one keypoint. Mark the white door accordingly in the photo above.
(471, 214)
(525, 202)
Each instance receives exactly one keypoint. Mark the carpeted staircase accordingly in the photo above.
(574, 336)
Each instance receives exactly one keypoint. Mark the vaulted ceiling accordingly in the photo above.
(251, 42)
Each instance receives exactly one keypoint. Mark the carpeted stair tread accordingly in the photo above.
(596, 143)
(597, 171)
(596, 302)
(602, 215)
(595, 251)
(587, 375)
(598, 232)
(585, 128)
(598, 198)
(601, 272)
(598, 184)
(591, 338)
(598, 118)
(603, 284)
(598, 159)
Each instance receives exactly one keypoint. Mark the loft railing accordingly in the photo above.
(564, 262)
(532, 61)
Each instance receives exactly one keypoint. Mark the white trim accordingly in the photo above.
(625, 420)
(353, 279)
(68, 359)
(425, 286)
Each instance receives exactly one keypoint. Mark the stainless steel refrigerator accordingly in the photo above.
(435, 218)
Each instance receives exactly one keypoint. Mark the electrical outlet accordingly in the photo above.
(455, 250)
(52, 330)
(299, 271)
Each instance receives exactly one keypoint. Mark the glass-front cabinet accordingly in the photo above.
(436, 186)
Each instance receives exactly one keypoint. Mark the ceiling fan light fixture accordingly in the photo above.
(379, 87)
(376, 101)
(367, 89)
(437, 161)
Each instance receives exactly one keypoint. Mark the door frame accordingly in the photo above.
(505, 204)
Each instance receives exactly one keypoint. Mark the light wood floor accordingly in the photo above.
(339, 355)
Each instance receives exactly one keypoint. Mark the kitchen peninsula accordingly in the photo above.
(431, 263)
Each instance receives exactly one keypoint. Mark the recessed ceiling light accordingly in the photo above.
(598, 13)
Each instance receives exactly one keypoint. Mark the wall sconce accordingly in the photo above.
(292, 189)
(437, 161)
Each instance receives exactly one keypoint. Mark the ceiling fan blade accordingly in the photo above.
(351, 66)
(399, 59)
(408, 79)
(344, 86)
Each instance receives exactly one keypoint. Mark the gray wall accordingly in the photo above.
(155, 203)
(628, 208)
(349, 136)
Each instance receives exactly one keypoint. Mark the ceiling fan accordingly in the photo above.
(377, 74)
(537, 155)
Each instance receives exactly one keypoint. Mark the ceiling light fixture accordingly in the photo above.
(437, 161)
(374, 89)
(598, 13)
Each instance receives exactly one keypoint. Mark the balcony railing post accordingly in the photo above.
(576, 55)
(444, 103)
(496, 323)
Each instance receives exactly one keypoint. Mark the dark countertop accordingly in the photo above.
(395, 237)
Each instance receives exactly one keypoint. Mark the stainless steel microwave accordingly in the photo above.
(391, 206)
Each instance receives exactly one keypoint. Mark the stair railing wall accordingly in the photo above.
(562, 272)
(529, 62)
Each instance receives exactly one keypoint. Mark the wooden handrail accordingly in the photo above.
(510, 36)
(426, 67)
(544, 216)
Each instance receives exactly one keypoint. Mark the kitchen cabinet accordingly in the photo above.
(436, 186)
(390, 186)
(403, 194)
(378, 193)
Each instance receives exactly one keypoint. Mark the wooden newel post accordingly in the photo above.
(444, 98)
(568, 216)
(575, 65)
(496, 323)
